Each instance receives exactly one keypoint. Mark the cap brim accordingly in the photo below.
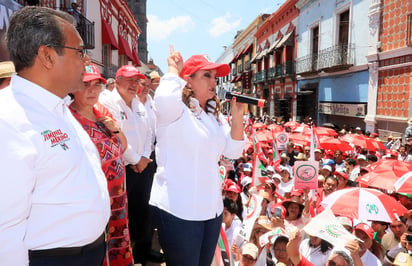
(88, 78)
(129, 75)
(221, 69)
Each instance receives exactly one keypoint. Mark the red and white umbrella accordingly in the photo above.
(364, 204)
(384, 173)
(404, 184)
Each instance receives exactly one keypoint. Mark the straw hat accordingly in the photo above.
(6, 69)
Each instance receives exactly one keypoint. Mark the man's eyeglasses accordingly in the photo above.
(82, 51)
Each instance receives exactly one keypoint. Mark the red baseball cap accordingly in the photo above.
(129, 71)
(92, 73)
(366, 229)
(229, 185)
(342, 174)
(203, 62)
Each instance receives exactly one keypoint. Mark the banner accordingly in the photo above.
(327, 227)
(254, 207)
(306, 174)
(259, 172)
(281, 140)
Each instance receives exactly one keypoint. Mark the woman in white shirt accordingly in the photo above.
(191, 137)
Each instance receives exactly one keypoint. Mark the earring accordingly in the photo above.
(189, 86)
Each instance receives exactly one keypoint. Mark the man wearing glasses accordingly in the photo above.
(54, 205)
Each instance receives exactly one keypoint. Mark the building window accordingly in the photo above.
(409, 30)
(344, 28)
(107, 55)
(123, 60)
(315, 40)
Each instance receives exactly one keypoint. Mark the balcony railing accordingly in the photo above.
(109, 71)
(240, 68)
(86, 30)
(259, 76)
(307, 64)
(329, 59)
(271, 73)
(280, 70)
(290, 68)
(341, 55)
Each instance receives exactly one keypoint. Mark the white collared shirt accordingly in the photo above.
(189, 146)
(134, 123)
(149, 105)
(54, 192)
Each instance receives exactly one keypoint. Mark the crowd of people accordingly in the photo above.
(93, 166)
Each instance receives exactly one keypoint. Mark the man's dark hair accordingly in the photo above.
(32, 27)
(351, 161)
(333, 178)
(372, 158)
(230, 205)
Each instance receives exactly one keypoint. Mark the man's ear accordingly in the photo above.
(47, 56)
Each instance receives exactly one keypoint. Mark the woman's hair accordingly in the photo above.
(325, 246)
(377, 250)
(239, 204)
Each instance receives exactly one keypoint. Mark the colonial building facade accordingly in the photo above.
(390, 66)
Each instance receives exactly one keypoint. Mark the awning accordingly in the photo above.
(108, 36)
(136, 59)
(235, 79)
(124, 48)
(246, 49)
(274, 45)
(284, 39)
(254, 58)
(236, 57)
(262, 54)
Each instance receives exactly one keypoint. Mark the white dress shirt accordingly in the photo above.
(149, 105)
(189, 146)
(53, 190)
(134, 123)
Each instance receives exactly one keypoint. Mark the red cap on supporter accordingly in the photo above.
(365, 228)
(203, 62)
(91, 73)
(229, 185)
(343, 174)
(129, 71)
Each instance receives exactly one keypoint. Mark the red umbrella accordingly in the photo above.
(299, 139)
(384, 173)
(275, 128)
(404, 184)
(364, 204)
(264, 135)
(358, 140)
(334, 144)
(320, 131)
(258, 125)
(377, 144)
(325, 131)
(292, 124)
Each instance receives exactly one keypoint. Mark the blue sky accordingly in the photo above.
(199, 26)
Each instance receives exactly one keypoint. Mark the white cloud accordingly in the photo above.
(158, 30)
(222, 25)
